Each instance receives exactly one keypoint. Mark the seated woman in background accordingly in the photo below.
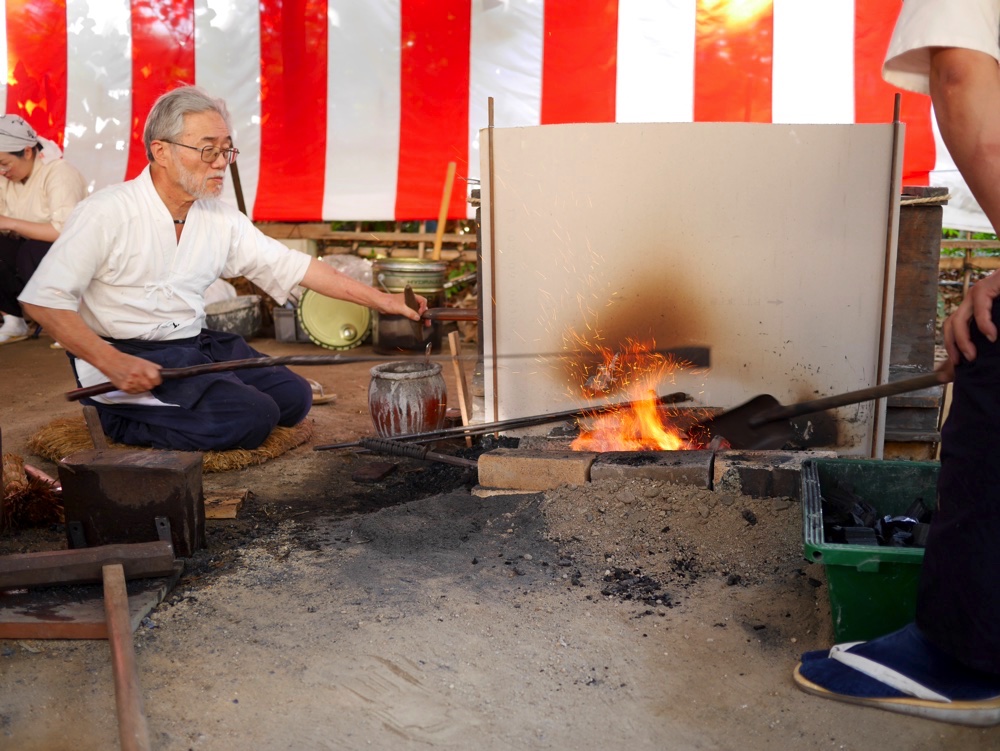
(38, 190)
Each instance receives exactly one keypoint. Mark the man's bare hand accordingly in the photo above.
(978, 305)
(945, 371)
(395, 304)
(132, 375)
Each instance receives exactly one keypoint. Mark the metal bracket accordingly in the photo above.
(163, 529)
(77, 539)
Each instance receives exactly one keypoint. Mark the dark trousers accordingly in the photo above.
(19, 258)
(958, 607)
(216, 411)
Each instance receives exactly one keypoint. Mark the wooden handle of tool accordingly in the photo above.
(449, 180)
(451, 314)
(842, 400)
(133, 731)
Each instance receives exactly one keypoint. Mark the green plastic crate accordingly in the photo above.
(873, 588)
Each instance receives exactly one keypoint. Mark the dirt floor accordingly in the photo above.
(409, 613)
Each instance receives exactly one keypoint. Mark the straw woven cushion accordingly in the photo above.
(67, 435)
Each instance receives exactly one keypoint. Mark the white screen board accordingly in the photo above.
(766, 242)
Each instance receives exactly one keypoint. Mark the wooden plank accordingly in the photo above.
(955, 263)
(460, 383)
(402, 251)
(322, 231)
(915, 300)
(957, 243)
(141, 559)
(133, 730)
(225, 505)
(76, 611)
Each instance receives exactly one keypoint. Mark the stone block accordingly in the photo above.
(533, 470)
(545, 443)
(762, 474)
(679, 467)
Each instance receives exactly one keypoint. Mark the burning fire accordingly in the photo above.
(636, 370)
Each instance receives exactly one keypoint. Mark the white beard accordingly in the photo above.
(199, 187)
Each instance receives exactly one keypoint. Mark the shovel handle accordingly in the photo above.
(842, 400)
(450, 314)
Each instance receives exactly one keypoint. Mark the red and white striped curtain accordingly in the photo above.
(352, 109)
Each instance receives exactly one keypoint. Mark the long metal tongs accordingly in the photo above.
(512, 424)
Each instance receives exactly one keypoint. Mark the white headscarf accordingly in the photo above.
(16, 135)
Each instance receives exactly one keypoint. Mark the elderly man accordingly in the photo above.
(123, 290)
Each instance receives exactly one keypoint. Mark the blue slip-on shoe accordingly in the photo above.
(902, 672)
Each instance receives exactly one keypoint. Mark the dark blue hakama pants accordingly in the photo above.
(958, 605)
(217, 411)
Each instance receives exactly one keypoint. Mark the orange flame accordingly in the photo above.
(643, 425)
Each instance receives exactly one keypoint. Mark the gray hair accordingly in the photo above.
(166, 118)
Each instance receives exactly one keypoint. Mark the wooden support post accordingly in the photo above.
(460, 384)
(133, 731)
(94, 427)
(449, 181)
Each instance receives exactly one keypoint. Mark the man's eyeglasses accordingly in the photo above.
(209, 153)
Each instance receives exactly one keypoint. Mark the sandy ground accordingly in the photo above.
(412, 614)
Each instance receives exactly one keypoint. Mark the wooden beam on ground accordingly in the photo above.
(139, 560)
(225, 505)
(76, 611)
(133, 730)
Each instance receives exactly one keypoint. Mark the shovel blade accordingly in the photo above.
(735, 425)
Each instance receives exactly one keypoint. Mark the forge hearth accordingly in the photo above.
(532, 468)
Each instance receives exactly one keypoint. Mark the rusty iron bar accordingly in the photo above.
(517, 422)
(398, 448)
